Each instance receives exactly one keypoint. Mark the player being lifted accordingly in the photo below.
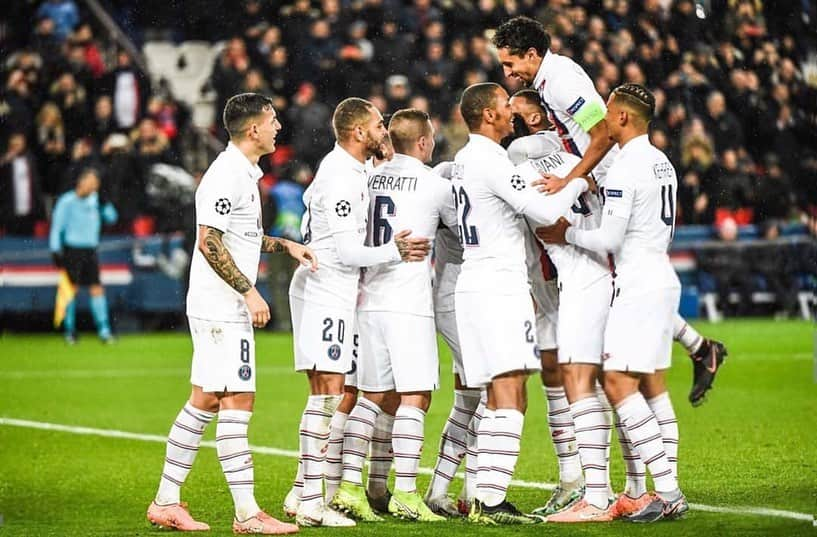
(577, 110)
(323, 303)
(223, 305)
(637, 227)
(571, 318)
(495, 317)
(398, 345)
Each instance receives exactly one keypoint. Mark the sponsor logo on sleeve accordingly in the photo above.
(223, 206)
(613, 193)
(343, 208)
(573, 108)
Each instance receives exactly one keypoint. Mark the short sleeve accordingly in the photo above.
(343, 202)
(216, 199)
(619, 192)
(512, 184)
(577, 97)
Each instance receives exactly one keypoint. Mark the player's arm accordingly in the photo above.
(55, 234)
(402, 248)
(600, 145)
(221, 261)
(532, 147)
(302, 253)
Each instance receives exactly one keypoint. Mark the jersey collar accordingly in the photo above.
(486, 143)
(541, 75)
(402, 160)
(253, 171)
(351, 161)
(635, 143)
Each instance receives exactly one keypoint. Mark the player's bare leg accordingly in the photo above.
(326, 393)
(706, 354)
(560, 424)
(592, 430)
(453, 448)
(623, 390)
(498, 450)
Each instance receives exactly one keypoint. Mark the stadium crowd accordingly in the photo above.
(735, 80)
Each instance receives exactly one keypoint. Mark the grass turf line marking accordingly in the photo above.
(113, 433)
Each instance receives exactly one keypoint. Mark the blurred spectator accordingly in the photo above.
(727, 266)
(732, 190)
(63, 13)
(103, 122)
(310, 122)
(129, 92)
(50, 149)
(152, 145)
(82, 158)
(775, 196)
(20, 188)
(72, 100)
(123, 179)
(722, 124)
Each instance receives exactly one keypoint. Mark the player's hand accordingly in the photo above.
(303, 254)
(554, 233)
(56, 257)
(259, 310)
(549, 183)
(411, 249)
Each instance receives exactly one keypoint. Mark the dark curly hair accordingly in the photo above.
(637, 98)
(521, 33)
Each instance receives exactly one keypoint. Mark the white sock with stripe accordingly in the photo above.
(645, 434)
(235, 457)
(562, 434)
(381, 455)
(609, 419)
(592, 434)
(298, 483)
(503, 447)
(454, 442)
(661, 406)
(686, 335)
(314, 442)
(469, 488)
(357, 434)
(485, 459)
(407, 441)
(182, 445)
(635, 471)
(333, 467)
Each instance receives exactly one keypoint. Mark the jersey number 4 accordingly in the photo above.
(468, 235)
(667, 206)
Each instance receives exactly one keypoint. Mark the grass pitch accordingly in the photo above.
(750, 449)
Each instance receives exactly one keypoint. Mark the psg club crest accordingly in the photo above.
(343, 208)
(244, 372)
(334, 352)
(223, 206)
(517, 182)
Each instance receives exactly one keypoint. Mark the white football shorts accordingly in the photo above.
(546, 295)
(638, 335)
(323, 336)
(223, 356)
(582, 317)
(497, 335)
(398, 351)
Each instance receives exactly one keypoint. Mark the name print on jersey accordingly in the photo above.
(390, 182)
(549, 163)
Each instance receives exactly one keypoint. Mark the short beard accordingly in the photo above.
(374, 148)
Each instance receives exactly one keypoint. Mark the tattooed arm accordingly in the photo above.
(301, 253)
(219, 258)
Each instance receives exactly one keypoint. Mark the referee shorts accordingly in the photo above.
(82, 265)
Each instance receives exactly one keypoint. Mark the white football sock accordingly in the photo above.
(484, 457)
(562, 434)
(686, 335)
(356, 437)
(182, 446)
(235, 457)
(298, 483)
(661, 406)
(645, 434)
(454, 442)
(407, 442)
(635, 471)
(314, 441)
(381, 455)
(609, 420)
(592, 435)
(333, 467)
(503, 447)
(469, 488)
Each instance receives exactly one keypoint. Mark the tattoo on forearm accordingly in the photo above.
(402, 247)
(222, 262)
(273, 245)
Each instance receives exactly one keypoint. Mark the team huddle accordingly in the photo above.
(550, 256)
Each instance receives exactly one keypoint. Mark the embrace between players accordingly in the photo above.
(594, 198)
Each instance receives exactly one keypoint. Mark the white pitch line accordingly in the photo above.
(113, 433)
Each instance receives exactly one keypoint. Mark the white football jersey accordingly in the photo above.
(491, 195)
(642, 187)
(574, 106)
(227, 199)
(447, 255)
(336, 201)
(575, 266)
(404, 194)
